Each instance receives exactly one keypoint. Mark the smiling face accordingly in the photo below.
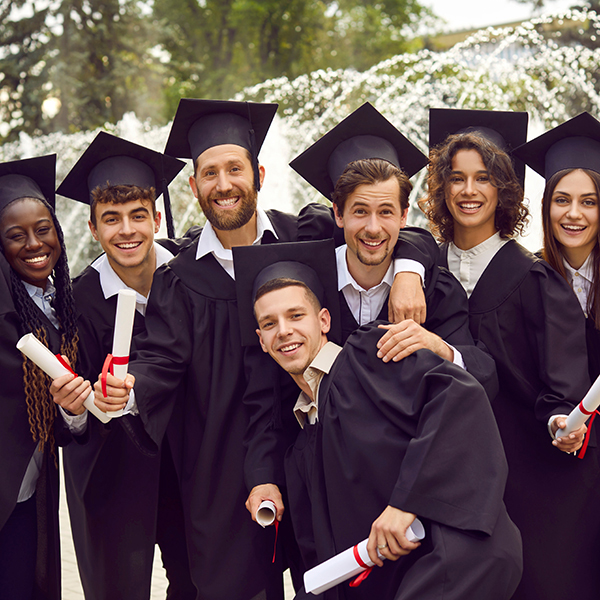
(372, 218)
(29, 240)
(126, 232)
(224, 186)
(291, 328)
(574, 216)
(471, 199)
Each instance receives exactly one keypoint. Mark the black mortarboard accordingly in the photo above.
(313, 263)
(201, 124)
(366, 133)
(505, 129)
(28, 178)
(573, 145)
(110, 160)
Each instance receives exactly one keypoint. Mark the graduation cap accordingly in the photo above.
(312, 263)
(201, 124)
(505, 129)
(364, 134)
(28, 178)
(110, 160)
(573, 145)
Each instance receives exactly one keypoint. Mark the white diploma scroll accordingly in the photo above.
(266, 513)
(582, 412)
(33, 349)
(344, 565)
(122, 335)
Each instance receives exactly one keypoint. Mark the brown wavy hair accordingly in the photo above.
(120, 194)
(369, 171)
(552, 252)
(511, 212)
(41, 409)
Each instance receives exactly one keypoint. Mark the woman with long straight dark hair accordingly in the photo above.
(35, 297)
(529, 320)
(568, 157)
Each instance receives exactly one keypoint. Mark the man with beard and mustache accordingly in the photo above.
(190, 370)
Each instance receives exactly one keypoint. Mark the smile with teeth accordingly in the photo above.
(470, 205)
(372, 243)
(573, 228)
(128, 245)
(36, 259)
(290, 347)
(226, 202)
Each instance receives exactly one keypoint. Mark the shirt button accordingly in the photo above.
(579, 289)
(576, 274)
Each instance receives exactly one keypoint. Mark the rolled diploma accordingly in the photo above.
(265, 515)
(577, 417)
(343, 566)
(122, 334)
(31, 347)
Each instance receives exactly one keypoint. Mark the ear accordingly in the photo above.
(264, 348)
(339, 218)
(157, 220)
(325, 320)
(193, 185)
(93, 230)
(404, 218)
(261, 174)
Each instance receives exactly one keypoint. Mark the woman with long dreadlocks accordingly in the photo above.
(35, 296)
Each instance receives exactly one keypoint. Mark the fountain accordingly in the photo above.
(516, 68)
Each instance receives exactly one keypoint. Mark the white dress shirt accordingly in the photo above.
(581, 280)
(210, 243)
(468, 265)
(365, 305)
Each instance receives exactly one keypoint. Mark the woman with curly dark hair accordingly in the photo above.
(36, 297)
(528, 318)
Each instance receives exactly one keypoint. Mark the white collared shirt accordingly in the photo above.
(111, 283)
(468, 265)
(581, 280)
(365, 305)
(305, 408)
(210, 243)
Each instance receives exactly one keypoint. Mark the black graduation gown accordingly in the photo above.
(418, 435)
(531, 322)
(17, 446)
(448, 317)
(113, 490)
(593, 348)
(189, 369)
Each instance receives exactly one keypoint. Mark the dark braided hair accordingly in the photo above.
(41, 409)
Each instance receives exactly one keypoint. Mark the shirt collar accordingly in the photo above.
(318, 368)
(586, 270)
(492, 244)
(345, 278)
(209, 242)
(34, 290)
(111, 283)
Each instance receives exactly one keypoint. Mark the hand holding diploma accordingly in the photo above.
(117, 392)
(570, 442)
(70, 391)
(264, 493)
(388, 536)
(574, 423)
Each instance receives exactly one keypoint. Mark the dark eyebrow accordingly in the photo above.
(37, 224)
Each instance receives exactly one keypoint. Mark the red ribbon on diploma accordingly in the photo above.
(589, 431)
(275, 544)
(65, 364)
(108, 366)
(362, 576)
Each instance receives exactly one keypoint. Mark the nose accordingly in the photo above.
(468, 187)
(372, 226)
(33, 242)
(284, 327)
(574, 211)
(126, 226)
(223, 183)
